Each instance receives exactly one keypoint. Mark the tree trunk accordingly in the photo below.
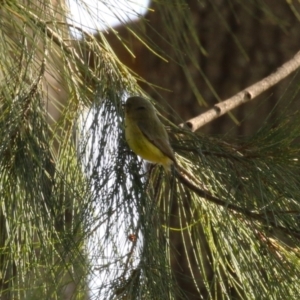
(244, 42)
(251, 45)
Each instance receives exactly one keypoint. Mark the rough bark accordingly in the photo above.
(267, 39)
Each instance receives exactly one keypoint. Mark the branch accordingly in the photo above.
(260, 217)
(244, 96)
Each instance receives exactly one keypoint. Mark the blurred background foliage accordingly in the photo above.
(80, 218)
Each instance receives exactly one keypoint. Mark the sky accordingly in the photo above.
(94, 15)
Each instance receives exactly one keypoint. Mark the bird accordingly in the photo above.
(145, 134)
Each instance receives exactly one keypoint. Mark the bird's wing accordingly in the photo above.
(161, 143)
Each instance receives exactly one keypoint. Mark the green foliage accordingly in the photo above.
(44, 193)
(73, 212)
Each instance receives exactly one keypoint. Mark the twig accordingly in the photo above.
(244, 96)
(58, 40)
(261, 217)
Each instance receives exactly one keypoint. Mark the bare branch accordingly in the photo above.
(244, 96)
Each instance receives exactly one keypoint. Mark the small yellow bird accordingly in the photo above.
(145, 134)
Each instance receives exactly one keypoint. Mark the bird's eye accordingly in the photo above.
(141, 107)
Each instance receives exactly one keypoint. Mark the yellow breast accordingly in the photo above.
(142, 146)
